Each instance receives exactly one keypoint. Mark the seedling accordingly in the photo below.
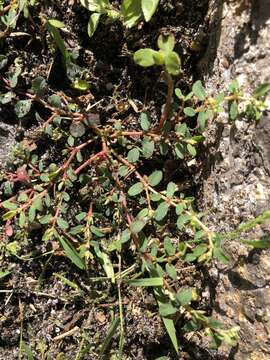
(169, 60)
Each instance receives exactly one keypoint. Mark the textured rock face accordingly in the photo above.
(7, 140)
(237, 185)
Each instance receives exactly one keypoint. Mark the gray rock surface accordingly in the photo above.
(7, 140)
(237, 182)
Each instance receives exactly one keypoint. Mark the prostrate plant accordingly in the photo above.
(119, 209)
(130, 12)
(93, 197)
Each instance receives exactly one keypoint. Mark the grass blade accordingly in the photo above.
(170, 328)
(109, 336)
(157, 281)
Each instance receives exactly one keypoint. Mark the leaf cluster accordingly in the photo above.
(130, 12)
(165, 56)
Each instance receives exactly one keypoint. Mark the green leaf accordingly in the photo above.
(191, 149)
(155, 197)
(135, 189)
(125, 236)
(80, 84)
(173, 63)
(107, 265)
(170, 269)
(159, 58)
(145, 57)
(13, 79)
(63, 224)
(189, 111)
(26, 349)
(179, 209)
(167, 309)
(166, 43)
(199, 90)
(123, 171)
(12, 247)
(155, 178)
(93, 24)
(199, 250)
(148, 148)
(182, 220)
(111, 332)
(185, 297)
(59, 43)
(264, 243)
(76, 229)
(96, 231)
(7, 97)
(179, 94)
(233, 110)
(95, 5)
(182, 129)
(220, 255)
(37, 203)
(133, 155)
(22, 219)
(202, 118)
(234, 86)
(81, 216)
(163, 148)
(31, 213)
(39, 85)
(56, 23)
(145, 121)
(22, 107)
(55, 100)
(9, 205)
(70, 141)
(48, 235)
(143, 213)
(154, 281)
(168, 246)
(171, 189)
(261, 90)
(71, 253)
(149, 7)
(170, 328)
(161, 211)
(180, 150)
(4, 273)
(131, 12)
(45, 219)
(137, 226)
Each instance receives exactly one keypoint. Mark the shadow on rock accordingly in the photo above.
(259, 14)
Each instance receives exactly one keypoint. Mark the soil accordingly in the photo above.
(217, 41)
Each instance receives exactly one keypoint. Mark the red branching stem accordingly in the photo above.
(100, 155)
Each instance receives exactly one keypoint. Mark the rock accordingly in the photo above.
(238, 186)
(7, 141)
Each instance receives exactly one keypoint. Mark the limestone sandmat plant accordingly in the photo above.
(103, 197)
